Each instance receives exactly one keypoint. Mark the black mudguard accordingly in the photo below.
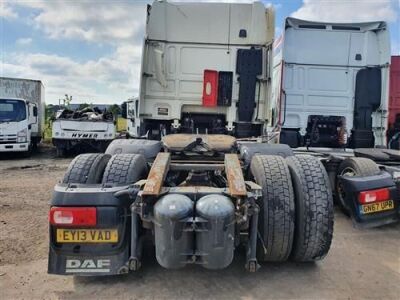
(89, 259)
(355, 184)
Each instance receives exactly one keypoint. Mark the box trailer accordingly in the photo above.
(394, 104)
(22, 114)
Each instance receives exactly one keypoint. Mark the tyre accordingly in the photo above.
(86, 168)
(124, 169)
(314, 208)
(354, 166)
(276, 218)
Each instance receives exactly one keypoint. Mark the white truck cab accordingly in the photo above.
(205, 68)
(17, 117)
(82, 134)
(332, 81)
(21, 114)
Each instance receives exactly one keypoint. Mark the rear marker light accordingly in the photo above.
(73, 216)
(374, 196)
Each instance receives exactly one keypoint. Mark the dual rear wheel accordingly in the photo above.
(296, 209)
(96, 168)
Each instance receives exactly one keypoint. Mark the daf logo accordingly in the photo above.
(87, 265)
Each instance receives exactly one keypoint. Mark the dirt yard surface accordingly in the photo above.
(362, 264)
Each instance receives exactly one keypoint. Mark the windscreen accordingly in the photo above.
(12, 110)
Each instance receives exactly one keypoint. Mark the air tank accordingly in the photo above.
(215, 239)
(173, 245)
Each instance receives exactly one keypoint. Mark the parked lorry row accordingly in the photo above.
(205, 175)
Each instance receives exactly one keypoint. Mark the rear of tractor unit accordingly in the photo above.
(206, 68)
(332, 83)
(196, 202)
(192, 191)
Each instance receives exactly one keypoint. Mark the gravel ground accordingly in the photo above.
(362, 264)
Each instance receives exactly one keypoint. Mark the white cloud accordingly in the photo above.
(347, 11)
(6, 11)
(109, 79)
(88, 20)
(24, 41)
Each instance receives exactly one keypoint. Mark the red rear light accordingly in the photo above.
(73, 216)
(374, 196)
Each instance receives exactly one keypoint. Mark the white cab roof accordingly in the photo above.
(216, 23)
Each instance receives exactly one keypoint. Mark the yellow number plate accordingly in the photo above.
(376, 207)
(87, 235)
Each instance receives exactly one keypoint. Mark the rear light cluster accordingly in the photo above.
(372, 196)
(73, 216)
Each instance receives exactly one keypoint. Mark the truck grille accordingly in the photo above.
(8, 139)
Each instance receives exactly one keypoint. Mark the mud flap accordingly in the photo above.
(88, 265)
(353, 185)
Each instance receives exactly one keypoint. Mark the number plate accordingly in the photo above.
(87, 235)
(376, 207)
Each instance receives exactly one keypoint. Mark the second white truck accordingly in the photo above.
(332, 83)
(85, 130)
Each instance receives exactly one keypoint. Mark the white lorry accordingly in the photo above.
(87, 129)
(22, 109)
(331, 81)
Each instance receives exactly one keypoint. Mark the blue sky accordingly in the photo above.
(91, 48)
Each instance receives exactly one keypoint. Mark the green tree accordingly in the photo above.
(115, 109)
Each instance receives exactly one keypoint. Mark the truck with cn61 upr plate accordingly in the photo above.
(21, 114)
(331, 84)
(89, 129)
(197, 184)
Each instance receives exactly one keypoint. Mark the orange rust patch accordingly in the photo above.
(157, 174)
(234, 175)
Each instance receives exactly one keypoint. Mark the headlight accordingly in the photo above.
(22, 136)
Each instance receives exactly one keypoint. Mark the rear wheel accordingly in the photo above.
(314, 208)
(355, 166)
(86, 168)
(124, 169)
(276, 219)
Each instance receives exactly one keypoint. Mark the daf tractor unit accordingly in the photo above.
(204, 177)
(331, 84)
(21, 115)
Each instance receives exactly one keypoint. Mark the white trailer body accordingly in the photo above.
(331, 82)
(186, 40)
(22, 114)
